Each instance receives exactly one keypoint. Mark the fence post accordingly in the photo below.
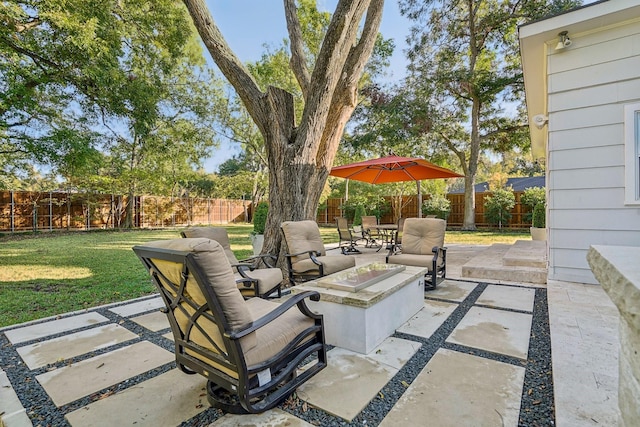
(34, 206)
(13, 224)
(50, 211)
(208, 210)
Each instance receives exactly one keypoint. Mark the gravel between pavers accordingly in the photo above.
(537, 404)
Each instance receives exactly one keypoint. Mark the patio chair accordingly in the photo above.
(369, 232)
(347, 238)
(306, 257)
(397, 240)
(252, 281)
(423, 246)
(249, 350)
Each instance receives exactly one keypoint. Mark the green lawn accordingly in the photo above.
(56, 273)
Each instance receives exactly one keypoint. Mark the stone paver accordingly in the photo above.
(165, 400)
(427, 320)
(494, 330)
(138, 307)
(63, 384)
(583, 325)
(489, 265)
(508, 297)
(457, 389)
(155, 321)
(41, 330)
(12, 413)
(584, 339)
(68, 346)
(273, 418)
(452, 290)
(351, 379)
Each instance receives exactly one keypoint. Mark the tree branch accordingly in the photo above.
(228, 62)
(327, 72)
(297, 62)
(507, 130)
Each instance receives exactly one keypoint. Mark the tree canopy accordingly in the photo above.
(465, 71)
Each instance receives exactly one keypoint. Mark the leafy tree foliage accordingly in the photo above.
(59, 57)
(114, 96)
(497, 206)
(531, 197)
(464, 60)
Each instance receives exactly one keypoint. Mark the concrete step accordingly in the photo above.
(527, 253)
(489, 264)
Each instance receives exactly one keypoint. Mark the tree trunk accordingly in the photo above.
(129, 209)
(469, 221)
(300, 154)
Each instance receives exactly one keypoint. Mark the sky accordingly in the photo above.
(248, 25)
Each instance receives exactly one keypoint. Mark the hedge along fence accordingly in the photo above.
(48, 211)
(332, 209)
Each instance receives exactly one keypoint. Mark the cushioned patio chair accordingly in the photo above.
(369, 232)
(306, 256)
(423, 246)
(252, 281)
(249, 350)
(347, 238)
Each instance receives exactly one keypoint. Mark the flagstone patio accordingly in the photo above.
(477, 353)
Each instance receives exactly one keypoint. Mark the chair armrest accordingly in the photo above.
(312, 256)
(247, 282)
(271, 263)
(436, 250)
(277, 312)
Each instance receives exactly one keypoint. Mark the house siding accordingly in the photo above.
(588, 85)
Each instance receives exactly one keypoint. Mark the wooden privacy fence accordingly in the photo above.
(332, 209)
(48, 211)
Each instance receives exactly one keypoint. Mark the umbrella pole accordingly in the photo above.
(419, 200)
(346, 191)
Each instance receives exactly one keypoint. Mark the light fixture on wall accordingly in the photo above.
(563, 40)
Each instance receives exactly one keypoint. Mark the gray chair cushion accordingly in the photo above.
(209, 256)
(302, 236)
(268, 278)
(275, 335)
(218, 234)
(420, 235)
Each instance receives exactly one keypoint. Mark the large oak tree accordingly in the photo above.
(301, 151)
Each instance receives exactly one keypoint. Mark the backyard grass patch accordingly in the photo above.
(52, 273)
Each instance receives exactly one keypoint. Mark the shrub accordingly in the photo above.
(497, 207)
(530, 198)
(358, 214)
(539, 216)
(437, 205)
(260, 217)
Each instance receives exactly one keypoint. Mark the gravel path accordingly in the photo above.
(537, 404)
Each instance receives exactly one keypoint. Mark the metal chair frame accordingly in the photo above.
(244, 394)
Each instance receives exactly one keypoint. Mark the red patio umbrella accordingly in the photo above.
(393, 168)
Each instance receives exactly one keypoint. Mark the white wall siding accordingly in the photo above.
(588, 85)
(596, 220)
(586, 178)
(586, 137)
(585, 158)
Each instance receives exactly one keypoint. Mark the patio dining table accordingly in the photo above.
(387, 232)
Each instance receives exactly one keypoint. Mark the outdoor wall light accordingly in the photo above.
(563, 40)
